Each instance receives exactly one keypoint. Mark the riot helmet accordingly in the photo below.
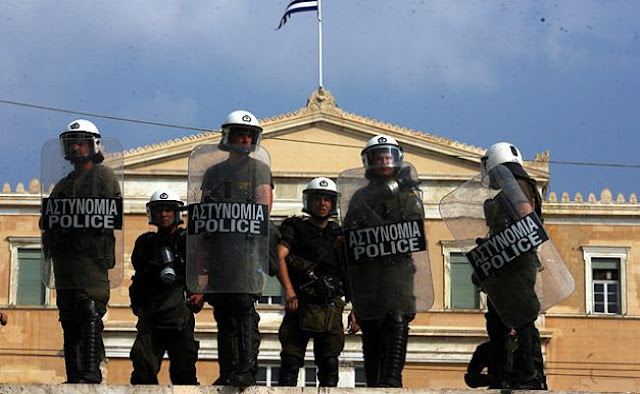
(320, 186)
(382, 151)
(77, 133)
(237, 129)
(503, 153)
(165, 199)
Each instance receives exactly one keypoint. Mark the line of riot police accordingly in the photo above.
(377, 259)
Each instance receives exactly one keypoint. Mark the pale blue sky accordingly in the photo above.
(557, 75)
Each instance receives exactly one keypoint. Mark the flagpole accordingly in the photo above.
(320, 84)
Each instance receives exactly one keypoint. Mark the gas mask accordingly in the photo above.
(165, 262)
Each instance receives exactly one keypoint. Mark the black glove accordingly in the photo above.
(404, 179)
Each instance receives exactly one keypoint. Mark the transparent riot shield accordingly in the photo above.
(228, 220)
(513, 258)
(81, 216)
(385, 243)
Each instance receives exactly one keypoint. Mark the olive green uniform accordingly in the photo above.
(383, 286)
(235, 314)
(165, 322)
(81, 260)
(317, 277)
(516, 360)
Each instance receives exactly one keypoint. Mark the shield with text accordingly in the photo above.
(384, 237)
(494, 222)
(81, 213)
(229, 197)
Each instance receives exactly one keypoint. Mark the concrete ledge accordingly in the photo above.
(115, 389)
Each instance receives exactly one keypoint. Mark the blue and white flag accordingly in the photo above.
(298, 6)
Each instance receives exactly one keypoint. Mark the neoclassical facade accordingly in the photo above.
(590, 339)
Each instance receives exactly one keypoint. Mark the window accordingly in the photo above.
(268, 375)
(360, 377)
(350, 376)
(26, 272)
(460, 292)
(273, 293)
(605, 279)
(310, 379)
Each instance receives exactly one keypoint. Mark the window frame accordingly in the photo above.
(449, 247)
(616, 252)
(269, 382)
(15, 244)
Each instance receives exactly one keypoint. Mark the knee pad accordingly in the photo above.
(87, 310)
(289, 367)
(328, 372)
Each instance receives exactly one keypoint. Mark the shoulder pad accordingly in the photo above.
(146, 238)
(292, 221)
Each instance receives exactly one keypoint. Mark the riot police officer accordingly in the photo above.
(82, 257)
(233, 273)
(160, 299)
(382, 271)
(516, 357)
(313, 278)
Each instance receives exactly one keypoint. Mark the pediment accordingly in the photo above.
(323, 139)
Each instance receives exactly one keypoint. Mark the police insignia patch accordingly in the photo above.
(164, 196)
(382, 140)
(74, 126)
(324, 183)
(246, 118)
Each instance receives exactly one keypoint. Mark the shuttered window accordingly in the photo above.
(30, 290)
(272, 293)
(464, 294)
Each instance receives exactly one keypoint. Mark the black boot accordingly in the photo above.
(227, 355)
(289, 367)
(328, 372)
(245, 375)
(372, 348)
(479, 361)
(91, 343)
(71, 336)
(396, 350)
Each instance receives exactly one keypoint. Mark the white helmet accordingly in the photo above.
(500, 153)
(78, 131)
(381, 144)
(165, 197)
(322, 186)
(238, 121)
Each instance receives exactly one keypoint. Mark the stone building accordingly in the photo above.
(590, 339)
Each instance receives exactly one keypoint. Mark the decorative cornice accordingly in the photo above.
(171, 143)
(606, 197)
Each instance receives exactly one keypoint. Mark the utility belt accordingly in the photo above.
(313, 287)
(320, 289)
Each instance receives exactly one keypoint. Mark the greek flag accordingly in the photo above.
(298, 6)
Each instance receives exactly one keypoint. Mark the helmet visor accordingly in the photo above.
(77, 145)
(383, 157)
(319, 203)
(241, 138)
